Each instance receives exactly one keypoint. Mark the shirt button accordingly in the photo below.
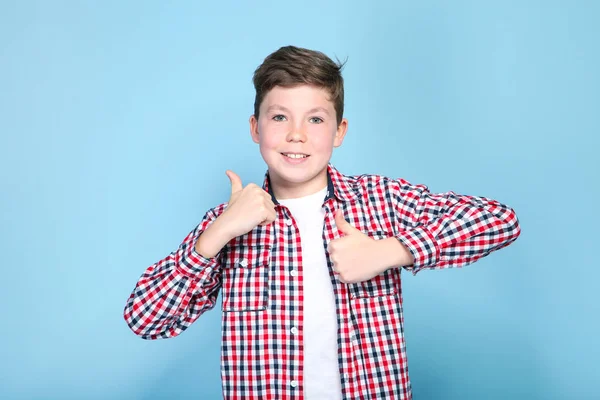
(294, 330)
(288, 222)
(346, 376)
(243, 262)
(293, 272)
(293, 384)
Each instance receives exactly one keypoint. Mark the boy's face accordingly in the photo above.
(298, 120)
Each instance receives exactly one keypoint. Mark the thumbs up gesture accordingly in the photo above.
(355, 256)
(247, 208)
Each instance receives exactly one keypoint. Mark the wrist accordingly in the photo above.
(212, 240)
(220, 229)
(395, 253)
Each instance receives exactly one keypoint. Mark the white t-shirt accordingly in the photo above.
(321, 368)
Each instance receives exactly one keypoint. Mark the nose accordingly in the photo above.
(296, 134)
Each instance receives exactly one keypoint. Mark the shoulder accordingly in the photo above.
(369, 182)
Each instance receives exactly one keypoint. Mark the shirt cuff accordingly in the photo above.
(423, 247)
(193, 263)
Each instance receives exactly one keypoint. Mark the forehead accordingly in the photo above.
(301, 97)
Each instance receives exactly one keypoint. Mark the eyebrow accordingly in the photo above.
(316, 109)
(282, 108)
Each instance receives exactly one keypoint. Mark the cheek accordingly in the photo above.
(271, 134)
(323, 139)
(268, 140)
(265, 134)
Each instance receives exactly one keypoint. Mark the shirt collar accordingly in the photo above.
(339, 186)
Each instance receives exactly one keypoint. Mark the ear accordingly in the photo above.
(340, 133)
(254, 128)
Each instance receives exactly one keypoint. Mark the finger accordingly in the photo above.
(272, 215)
(337, 273)
(268, 202)
(236, 181)
(267, 196)
(270, 218)
(267, 221)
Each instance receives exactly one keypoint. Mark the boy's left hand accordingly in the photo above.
(356, 257)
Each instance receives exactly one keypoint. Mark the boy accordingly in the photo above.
(309, 264)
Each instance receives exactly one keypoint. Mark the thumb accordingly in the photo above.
(342, 224)
(236, 181)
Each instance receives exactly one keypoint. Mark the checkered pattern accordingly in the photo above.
(260, 276)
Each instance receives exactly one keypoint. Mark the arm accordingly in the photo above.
(172, 293)
(448, 229)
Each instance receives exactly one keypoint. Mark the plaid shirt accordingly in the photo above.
(260, 277)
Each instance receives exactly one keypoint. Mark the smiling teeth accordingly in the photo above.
(295, 155)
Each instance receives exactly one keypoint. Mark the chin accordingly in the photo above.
(300, 175)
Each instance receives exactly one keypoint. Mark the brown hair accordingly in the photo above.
(291, 66)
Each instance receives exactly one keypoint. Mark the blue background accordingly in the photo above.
(118, 122)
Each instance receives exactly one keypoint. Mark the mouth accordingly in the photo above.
(295, 156)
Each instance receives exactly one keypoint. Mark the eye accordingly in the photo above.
(279, 118)
(316, 120)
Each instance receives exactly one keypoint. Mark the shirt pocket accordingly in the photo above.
(246, 279)
(384, 284)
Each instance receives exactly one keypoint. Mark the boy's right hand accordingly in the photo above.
(248, 207)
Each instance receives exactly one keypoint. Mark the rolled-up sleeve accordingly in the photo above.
(173, 292)
(443, 230)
